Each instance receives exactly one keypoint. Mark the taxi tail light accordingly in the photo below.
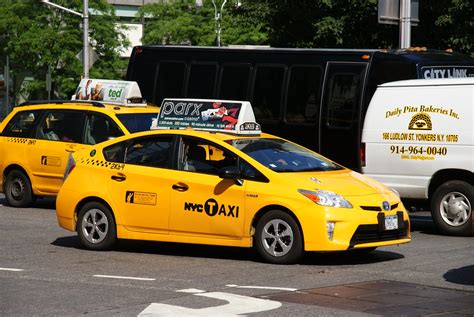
(362, 154)
(71, 164)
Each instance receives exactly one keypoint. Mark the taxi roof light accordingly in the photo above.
(119, 92)
(225, 116)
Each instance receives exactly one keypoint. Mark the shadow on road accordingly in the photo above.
(422, 222)
(464, 275)
(234, 253)
(40, 203)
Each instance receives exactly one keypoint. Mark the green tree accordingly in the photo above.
(182, 22)
(353, 24)
(35, 36)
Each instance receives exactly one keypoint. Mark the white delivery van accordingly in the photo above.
(418, 137)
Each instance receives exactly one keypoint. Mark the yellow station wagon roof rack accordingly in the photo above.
(61, 102)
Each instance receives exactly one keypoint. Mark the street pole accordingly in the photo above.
(218, 18)
(405, 23)
(6, 77)
(85, 27)
(85, 17)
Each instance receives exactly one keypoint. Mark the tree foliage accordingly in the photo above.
(182, 22)
(35, 36)
(353, 24)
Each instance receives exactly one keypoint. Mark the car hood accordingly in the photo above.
(343, 182)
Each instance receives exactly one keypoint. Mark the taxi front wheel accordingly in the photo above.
(278, 238)
(96, 227)
(18, 190)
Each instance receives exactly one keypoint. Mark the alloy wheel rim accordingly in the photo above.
(95, 226)
(455, 209)
(277, 237)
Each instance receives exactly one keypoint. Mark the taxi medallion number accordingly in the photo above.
(391, 222)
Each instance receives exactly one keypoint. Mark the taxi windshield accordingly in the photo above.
(137, 122)
(282, 156)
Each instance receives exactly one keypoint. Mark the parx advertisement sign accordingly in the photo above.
(209, 115)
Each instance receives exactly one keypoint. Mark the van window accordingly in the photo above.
(202, 79)
(267, 92)
(302, 101)
(21, 125)
(170, 81)
(234, 81)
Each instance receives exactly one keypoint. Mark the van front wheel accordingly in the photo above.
(18, 190)
(451, 208)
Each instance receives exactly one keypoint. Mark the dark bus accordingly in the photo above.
(315, 97)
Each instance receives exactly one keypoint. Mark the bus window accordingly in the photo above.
(267, 92)
(234, 81)
(302, 101)
(202, 79)
(144, 68)
(170, 81)
(343, 97)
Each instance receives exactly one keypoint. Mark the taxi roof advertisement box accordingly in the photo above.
(110, 91)
(209, 115)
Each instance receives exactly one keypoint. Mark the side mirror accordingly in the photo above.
(230, 172)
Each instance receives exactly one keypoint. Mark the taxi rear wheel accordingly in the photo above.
(96, 227)
(278, 238)
(18, 190)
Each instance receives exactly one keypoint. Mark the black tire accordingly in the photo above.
(451, 208)
(96, 227)
(18, 190)
(268, 241)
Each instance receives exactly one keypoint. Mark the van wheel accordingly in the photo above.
(451, 208)
(96, 227)
(18, 190)
(278, 238)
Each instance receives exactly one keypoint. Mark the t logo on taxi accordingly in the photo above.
(211, 207)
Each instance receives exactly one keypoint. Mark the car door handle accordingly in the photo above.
(119, 177)
(181, 187)
(70, 149)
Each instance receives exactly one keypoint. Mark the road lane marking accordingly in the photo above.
(126, 277)
(191, 291)
(236, 306)
(10, 269)
(264, 287)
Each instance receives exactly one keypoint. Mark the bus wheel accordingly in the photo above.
(451, 208)
(96, 227)
(278, 238)
(18, 190)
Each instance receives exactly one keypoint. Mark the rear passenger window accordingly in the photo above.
(100, 128)
(21, 124)
(267, 92)
(62, 125)
(153, 151)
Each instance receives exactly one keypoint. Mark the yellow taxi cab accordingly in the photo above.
(37, 137)
(208, 175)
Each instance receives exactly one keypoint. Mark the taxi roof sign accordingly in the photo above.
(120, 92)
(228, 116)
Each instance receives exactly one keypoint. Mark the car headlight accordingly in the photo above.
(326, 198)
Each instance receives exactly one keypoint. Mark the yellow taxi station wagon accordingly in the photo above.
(37, 137)
(208, 175)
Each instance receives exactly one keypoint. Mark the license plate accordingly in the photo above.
(391, 222)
